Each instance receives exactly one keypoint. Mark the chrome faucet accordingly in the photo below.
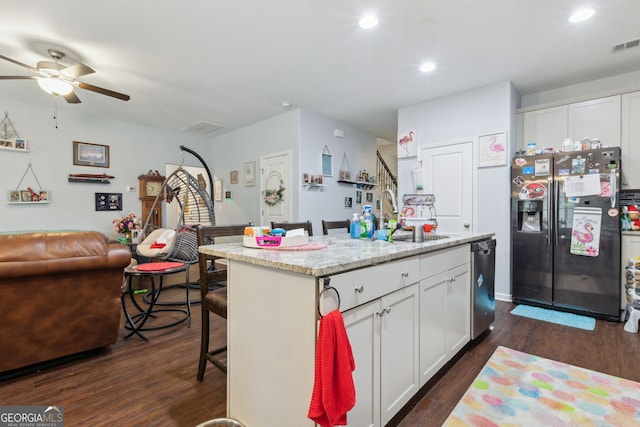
(393, 203)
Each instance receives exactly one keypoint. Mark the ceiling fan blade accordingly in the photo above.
(72, 98)
(17, 77)
(104, 91)
(77, 70)
(28, 67)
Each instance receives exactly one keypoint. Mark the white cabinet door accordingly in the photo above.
(363, 329)
(630, 145)
(458, 313)
(545, 128)
(597, 118)
(399, 340)
(445, 313)
(433, 304)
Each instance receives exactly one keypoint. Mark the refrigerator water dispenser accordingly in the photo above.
(530, 216)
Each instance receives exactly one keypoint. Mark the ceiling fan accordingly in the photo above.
(59, 80)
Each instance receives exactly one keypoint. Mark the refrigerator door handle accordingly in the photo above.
(556, 202)
(549, 212)
(613, 188)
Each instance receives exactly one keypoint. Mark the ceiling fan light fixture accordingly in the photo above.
(55, 86)
(581, 15)
(368, 21)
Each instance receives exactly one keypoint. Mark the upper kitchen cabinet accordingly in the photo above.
(546, 127)
(597, 118)
(630, 145)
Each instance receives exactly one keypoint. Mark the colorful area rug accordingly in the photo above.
(519, 389)
(553, 316)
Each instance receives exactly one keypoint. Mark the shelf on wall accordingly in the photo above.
(359, 184)
(41, 202)
(22, 150)
(90, 180)
(308, 185)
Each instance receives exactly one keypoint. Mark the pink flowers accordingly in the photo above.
(126, 223)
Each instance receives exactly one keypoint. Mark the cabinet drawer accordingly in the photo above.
(364, 285)
(436, 262)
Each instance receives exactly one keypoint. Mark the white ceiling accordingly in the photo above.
(233, 62)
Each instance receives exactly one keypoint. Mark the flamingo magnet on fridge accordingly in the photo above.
(586, 236)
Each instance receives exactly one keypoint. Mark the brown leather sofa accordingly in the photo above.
(59, 295)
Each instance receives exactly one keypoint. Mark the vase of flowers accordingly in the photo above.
(125, 224)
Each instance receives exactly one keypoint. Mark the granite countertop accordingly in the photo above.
(341, 253)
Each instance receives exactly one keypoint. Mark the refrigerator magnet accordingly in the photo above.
(613, 212)
(528, 170)
(542, 167)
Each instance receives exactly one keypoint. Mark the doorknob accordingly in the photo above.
(466, 225)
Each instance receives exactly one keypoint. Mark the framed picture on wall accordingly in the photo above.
(218, 190)
(492, 150)
(86, 154)
(250, 174)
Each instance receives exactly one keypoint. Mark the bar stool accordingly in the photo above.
(136, 323)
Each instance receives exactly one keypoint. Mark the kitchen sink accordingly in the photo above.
(428, 237)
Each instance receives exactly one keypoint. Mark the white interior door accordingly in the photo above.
(275, 171)
(448, 174)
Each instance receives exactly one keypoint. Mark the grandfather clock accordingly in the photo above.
(150, 188)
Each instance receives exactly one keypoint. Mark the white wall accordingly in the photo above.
(468, 115)
(133, 150)
(232, 150)
(318, 203)
(304, 133)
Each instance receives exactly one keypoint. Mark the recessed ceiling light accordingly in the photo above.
(581, 15)
(368, 21)
(427, 67)
(286, 104)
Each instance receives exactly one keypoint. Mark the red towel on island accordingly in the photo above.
(333, 391)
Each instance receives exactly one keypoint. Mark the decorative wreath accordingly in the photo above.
(274, 196)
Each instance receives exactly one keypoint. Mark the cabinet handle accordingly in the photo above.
(405, 274)
(383, 311)
(359, 289)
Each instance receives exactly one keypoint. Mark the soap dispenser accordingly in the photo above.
(354, 227)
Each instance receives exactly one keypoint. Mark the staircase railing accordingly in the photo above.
(385, 179)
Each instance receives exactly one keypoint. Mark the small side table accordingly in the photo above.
(136, 322)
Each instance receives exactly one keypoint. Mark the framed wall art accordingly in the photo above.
(250, 174)
(327, 162)
(87, 154)
(217, 190)
(492, 150)
(233, 177)
(407, 145)
(108, 201)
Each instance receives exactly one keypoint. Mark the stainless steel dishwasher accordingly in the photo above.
(483, 273)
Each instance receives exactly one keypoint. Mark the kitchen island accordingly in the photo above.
(406, 308)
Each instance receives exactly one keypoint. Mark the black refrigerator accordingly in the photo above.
(565, 230)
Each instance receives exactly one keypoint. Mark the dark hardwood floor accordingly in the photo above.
(137, 383)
